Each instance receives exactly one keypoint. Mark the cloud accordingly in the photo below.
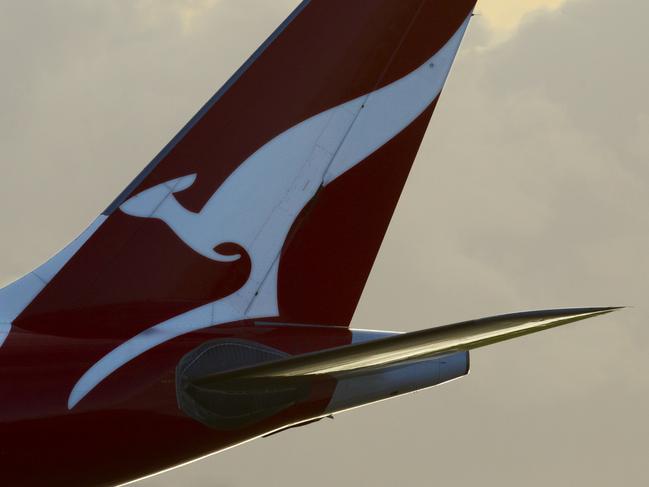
(530, 191)
(184, 13)
(504, 17)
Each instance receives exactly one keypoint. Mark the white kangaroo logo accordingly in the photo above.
(203, 231)
(257, 204)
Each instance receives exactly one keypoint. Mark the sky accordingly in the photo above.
(529, 192)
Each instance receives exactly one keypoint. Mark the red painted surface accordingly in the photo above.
(329, 254)
(334, 51)
(131, 425)
(134, 273)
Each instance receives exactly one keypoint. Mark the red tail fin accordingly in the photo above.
(274, 199)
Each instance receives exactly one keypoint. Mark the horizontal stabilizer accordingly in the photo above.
(396, 349)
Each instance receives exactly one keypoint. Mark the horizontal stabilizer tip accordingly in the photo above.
(457, 337)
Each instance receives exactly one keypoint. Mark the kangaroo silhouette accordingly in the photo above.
(193, 228)
(256, 206)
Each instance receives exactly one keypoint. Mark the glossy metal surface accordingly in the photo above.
(133, 426)
(444, 339)
(245, 401)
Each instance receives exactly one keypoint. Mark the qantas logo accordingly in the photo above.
(257, 204)
(203, 231)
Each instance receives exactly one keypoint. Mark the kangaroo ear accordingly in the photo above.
(145, 203)
(181, 184)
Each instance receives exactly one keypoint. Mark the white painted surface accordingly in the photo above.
(361, 336)
(372, 385)
(257, 204)
(15, 297)
(393, 108)
(5, 328)
(51, 268)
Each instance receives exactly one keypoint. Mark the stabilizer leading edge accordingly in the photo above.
(426, 343)
(359, 374)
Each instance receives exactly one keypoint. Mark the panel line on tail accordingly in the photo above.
(15, 297)
(253, 189)
(458, 337)
(5, 328)
(206, 108)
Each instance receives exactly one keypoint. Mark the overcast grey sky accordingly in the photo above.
(531, 191)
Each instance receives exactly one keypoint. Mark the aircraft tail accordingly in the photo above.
(274, 199)
(276, 196)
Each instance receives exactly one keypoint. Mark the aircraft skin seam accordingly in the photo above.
(5, 328)
(18, 295)
(203, 111)
(223, 345)
(355, 154)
